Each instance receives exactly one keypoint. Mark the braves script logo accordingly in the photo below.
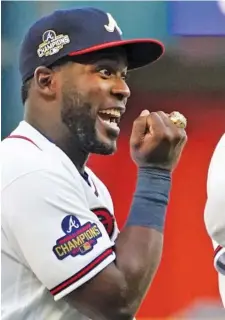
(79, 239)
(112, 25)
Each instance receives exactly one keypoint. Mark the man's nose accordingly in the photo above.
(120, 90)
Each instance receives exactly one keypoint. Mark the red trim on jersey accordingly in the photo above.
(96, 191)
(62, 286)
(16, 136)
(218, 248)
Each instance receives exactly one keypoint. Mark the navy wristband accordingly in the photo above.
(150, 199)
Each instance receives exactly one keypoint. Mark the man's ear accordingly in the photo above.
(44, 81)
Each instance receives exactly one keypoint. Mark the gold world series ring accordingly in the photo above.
(178, 119)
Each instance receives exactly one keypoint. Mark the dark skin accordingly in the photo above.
(63, 100)
(63, 104)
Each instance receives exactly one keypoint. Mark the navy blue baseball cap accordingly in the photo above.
(78, 31)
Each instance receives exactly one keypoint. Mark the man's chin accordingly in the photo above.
(103, 147)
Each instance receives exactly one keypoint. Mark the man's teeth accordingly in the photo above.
(112, 124)
(111, 112)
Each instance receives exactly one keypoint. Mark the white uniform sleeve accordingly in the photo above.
(62, 241)
(214, 214)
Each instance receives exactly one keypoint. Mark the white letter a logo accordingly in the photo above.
(112, 25)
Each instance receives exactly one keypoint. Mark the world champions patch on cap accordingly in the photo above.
(78, 31)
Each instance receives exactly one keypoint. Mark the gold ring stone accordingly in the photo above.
(178, 119)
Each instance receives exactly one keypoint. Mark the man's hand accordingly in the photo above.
(156, 141)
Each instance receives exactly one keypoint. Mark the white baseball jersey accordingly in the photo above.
(215, 210)
(58, 228)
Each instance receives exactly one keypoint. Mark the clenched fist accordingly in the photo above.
(156, 141)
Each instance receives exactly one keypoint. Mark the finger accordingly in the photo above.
(174, 132)
(165, 118)
(140, 126)
(155, 123)
(171, 123)
(183, 135)
(144, 113)
(175, 117)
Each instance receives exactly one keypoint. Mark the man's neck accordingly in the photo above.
(78, 156)
(64, 141)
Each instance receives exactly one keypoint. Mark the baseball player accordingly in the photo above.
(215, 211)
(62, 254)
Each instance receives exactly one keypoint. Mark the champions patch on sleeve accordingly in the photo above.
(78, 240)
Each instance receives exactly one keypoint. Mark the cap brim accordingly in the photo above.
(140, 52)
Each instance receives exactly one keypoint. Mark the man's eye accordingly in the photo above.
(105, 73)
(124, 77)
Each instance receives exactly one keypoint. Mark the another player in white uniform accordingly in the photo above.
(215, 211)
(62, 256)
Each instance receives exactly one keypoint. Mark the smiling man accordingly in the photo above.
(62, 255)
